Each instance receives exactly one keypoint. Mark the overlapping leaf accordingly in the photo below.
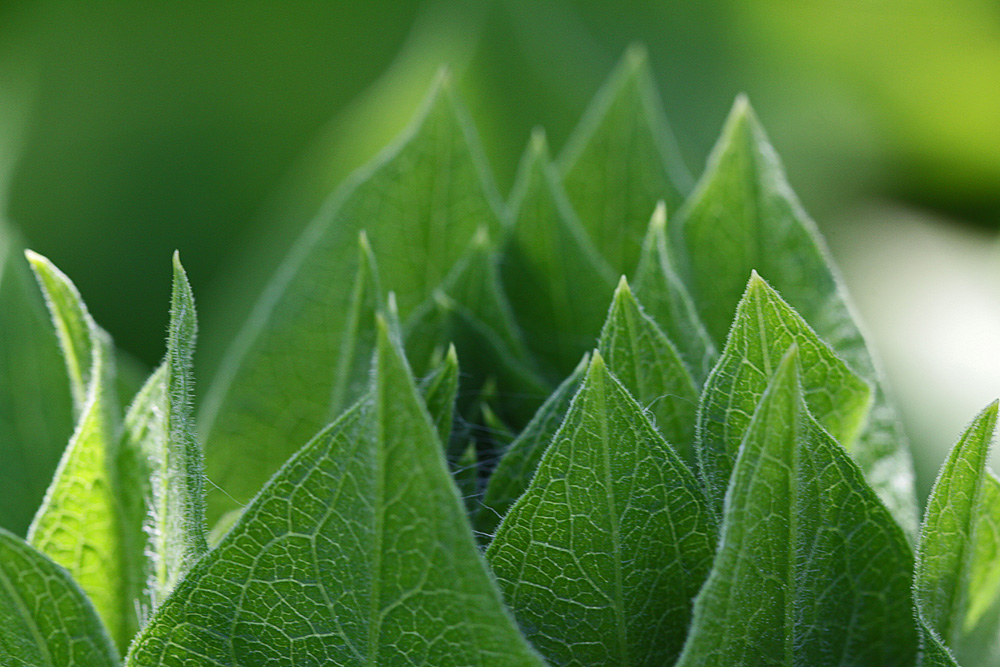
(45, 619)
(648, 365)
(421, 204)
(957, 579)
(36, 412)
(620, 161)
(743, 216)
(764, 328)
(439, 389)
(559, 284)
(358, 552)
(602, 555)
(519, 462)
(811, 569)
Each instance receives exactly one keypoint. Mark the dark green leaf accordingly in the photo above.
(620, 161)
(420, 204)
(602, 555)
(957, 580)
(439, 389)
(519, 462)
(642, 358)
(45, 619)
(764, 329)
(560, 285)
(357, 552)
(811, 568)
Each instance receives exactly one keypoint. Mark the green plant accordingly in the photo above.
(714, 476)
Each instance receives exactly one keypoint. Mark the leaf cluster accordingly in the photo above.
(553, 430)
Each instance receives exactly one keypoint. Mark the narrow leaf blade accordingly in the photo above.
(45, 619)
(602, 555)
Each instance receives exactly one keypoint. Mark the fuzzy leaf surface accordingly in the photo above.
(519, 462)
(811, 568)
(439, 390)
(620, 161)
(649, 366)
(357, 552)
(420, 204)
(161, 443)
(45, 619)
(743, 216)
(36, 410)
(957, 581)
(80, 524)
(602, 555)
(764, 329)
(559, 283)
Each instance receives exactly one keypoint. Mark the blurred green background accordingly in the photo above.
(130, 129)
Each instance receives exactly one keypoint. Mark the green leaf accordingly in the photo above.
(561, 282)
(743, 216)
(602, 555)
(811, 568)
(957, 579)
(80, 524)
(357, 552)
(620, 161)
(764, 329)
(358, 340)
(519, 462)
(667, 301)
(471, 310)
(420, 203)
(466, 475)
(45, 619)
(36, 411)
(159, 433)
(439, 389)
(649, 367)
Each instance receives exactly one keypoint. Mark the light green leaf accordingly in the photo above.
(519, 462)
(471, 310)
(764, 329)
(602, 555)
(36, 411)
(439, 389)
(649, 367)
(80, 524)
(45, 619)
(357, 552)
(811, 569)
(743, 216)
(620, 161)
(420, 203)
(957, 579)
(667, 301)
(159, 434)
(561, 283)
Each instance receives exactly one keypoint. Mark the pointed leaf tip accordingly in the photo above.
(539, 142)
(636, 56)
(623, 288)
(658, 220)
